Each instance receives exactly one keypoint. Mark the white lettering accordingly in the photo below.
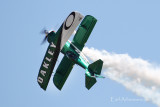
(45, 65)
(43, 72)
(40, 80)
(48, 59)
(50, 52)
(52, 45)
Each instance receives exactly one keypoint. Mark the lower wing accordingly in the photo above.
(84, 31)
(63, 72)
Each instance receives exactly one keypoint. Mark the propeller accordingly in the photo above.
(44, 31)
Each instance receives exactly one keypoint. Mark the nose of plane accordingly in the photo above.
(51, 36)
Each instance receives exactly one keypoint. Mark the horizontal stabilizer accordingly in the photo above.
(96, 66)
(89, 81)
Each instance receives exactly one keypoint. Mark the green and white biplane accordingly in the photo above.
(59, 42)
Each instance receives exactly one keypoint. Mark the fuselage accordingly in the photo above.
(75, 55)
(72, 53)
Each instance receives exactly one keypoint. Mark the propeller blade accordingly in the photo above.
(44, 31)
(44, 40)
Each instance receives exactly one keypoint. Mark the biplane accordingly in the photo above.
(59, 42)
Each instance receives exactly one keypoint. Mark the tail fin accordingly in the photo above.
(96, 67)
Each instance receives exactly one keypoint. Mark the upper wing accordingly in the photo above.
(69, 25)
(48, 63)
(62, 72)
(84, 31)
(56, 44)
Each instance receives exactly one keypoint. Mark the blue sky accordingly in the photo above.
(124, 26)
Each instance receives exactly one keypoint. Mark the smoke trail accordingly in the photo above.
(137, 75)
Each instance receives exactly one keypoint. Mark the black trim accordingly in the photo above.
(67, 27)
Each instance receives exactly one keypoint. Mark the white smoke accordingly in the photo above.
(136, 74)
